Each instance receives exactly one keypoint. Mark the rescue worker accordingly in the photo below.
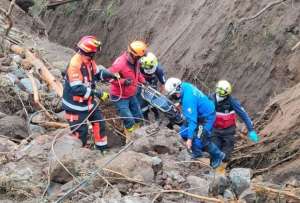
(153, 74)
(123, 92)
(227, 109)
(79, 92)
(199, 113)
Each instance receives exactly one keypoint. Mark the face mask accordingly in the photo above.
(219, 99)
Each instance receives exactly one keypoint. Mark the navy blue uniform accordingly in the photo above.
(225, 124)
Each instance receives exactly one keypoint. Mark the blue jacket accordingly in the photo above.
(157, 76)
(196, 106)
(231, 103)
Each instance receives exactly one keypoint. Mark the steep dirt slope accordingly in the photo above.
(196, 39)
(277, 155)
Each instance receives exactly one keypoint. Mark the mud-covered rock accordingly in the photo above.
(240, 179)
(14, 127)
(219, 183)
(248, 195)
(164, 141)
(201, 184)
(132, 164)
(229, 195)
(75, 158)
(26, 83)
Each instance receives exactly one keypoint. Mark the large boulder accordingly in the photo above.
(131, 164)
(14, 127)
(240, 179)
(201, 184)
(69, 152)
(165, 141)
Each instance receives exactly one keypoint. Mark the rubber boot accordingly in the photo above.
(221, 170)
(217, 156)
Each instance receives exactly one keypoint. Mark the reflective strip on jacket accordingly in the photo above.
(80, 78)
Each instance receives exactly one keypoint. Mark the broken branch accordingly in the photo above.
(270, 5)
(267, 190)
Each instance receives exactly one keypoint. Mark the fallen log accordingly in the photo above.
(36, 96)
(54, 3)
(54, 125)
(267, 190)
(40, 68)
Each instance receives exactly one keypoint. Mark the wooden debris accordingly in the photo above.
(269, 191)
(40, 68)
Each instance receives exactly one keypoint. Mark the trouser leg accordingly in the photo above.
(135, 109)
(124, 112)
(80, 130)
(99, 134)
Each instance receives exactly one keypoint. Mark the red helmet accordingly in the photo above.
(89, 44)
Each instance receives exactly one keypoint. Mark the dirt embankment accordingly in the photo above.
(200, 41)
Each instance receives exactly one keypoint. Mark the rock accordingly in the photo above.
(229, 195)
(218, 185)
(175, 175)
(19, 73)
(13, 126)
(25, 4)
(156, 164)
(249, 196)
(16, 58)
(6, 61)
(240, 179)
(131, 199)
(56, 73)
(2, 115)
(163, 142)
(6, 146)
(201, 184)
(61, 65)
(131, 164)
(70, 152)
(28, 86)
(37, 129)
(13, 78)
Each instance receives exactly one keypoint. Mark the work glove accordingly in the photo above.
(105, 96)
(252, 135)
(127, 82)
(102, 95)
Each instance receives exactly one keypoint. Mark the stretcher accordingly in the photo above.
(162, 103)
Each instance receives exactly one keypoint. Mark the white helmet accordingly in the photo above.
(171, 85)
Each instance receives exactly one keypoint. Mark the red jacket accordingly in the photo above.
(126, 70)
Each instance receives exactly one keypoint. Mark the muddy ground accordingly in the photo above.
(199, 41)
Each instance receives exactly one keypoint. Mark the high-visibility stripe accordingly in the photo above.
(76, 82)
(77, 108)
(88, 93)
(101, 143)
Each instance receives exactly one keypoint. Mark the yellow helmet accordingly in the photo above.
(223, 88)
(149, 63)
